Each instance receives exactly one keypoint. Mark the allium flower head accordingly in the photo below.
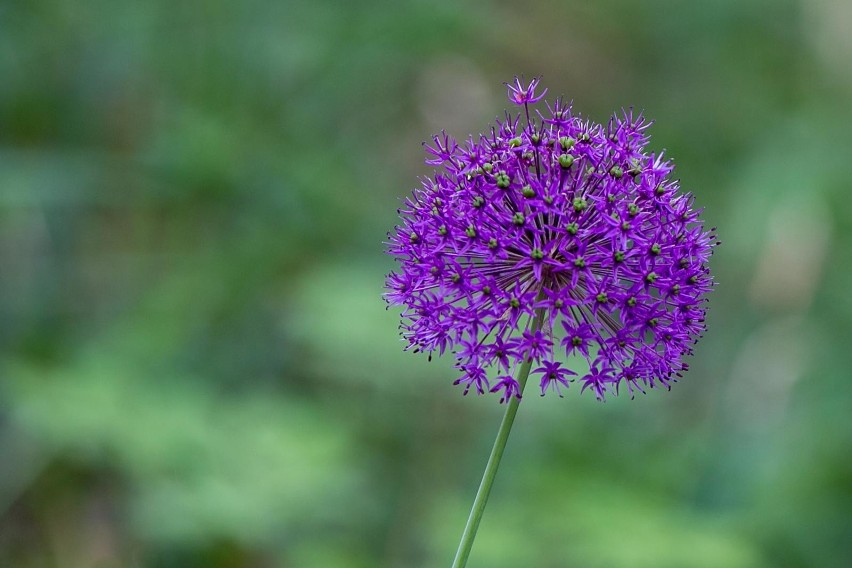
(563, 221)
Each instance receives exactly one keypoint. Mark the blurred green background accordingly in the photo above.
(197, 368)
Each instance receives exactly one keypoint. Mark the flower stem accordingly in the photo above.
(494, 459)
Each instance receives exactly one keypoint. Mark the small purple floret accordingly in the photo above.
(522, 95)
(562, 215)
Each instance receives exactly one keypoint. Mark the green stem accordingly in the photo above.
(494, 459)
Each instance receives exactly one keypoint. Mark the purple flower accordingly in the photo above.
(553, 375)
(509, 386)
(561, 218)
(521, 95)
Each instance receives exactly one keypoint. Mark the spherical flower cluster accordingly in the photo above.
(548, 237)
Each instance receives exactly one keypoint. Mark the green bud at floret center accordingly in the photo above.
(503, 180)
(567, 142)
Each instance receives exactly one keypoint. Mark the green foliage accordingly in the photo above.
(197, 369)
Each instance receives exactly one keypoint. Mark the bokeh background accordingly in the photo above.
(197, 368)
